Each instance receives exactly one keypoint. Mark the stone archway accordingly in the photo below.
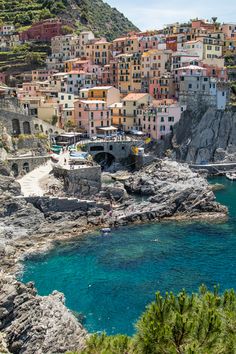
(104, 159)
(15, 169)
(26, 167)
(16, 126)
(26, 128)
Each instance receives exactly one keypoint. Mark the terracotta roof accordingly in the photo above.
(120, 39)
(134, 96)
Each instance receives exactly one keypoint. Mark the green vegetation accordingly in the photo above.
(28, 55)
(203, 323)
(92, 14)
(25, 12)
(103, 20)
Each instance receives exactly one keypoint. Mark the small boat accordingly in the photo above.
(105, 230)
(231, 176)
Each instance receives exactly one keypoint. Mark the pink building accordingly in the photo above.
(92, 116)
(42, 74)
(158, 119)
(162, 87)
(148, 42)
(42, 31)
(217, 72)
(229, 29)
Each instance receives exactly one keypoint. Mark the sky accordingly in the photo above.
(153, 14)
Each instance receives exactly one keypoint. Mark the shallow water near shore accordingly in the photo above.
(110, 279)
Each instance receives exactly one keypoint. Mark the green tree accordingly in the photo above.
(67, 30)
(188, 324)
(54, 119)
(201, 323)
(33, 58)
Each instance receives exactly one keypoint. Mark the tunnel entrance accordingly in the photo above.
(15, 170)
(104, 159)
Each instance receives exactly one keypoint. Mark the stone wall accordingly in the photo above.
(84, 181)
(21, 165)
(17, 123)
(120, 150)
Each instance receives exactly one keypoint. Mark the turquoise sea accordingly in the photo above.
(110, 279)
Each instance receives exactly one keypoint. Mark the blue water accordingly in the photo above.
(111, 279)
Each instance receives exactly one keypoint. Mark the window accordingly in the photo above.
(190, 86)
(162, 119)
(162, 128)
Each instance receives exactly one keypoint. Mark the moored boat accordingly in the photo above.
(231, 176)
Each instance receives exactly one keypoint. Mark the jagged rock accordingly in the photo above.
(175, 188)
(115, 192)
(4, 170)
(36, 324)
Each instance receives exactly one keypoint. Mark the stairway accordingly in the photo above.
(30, 183)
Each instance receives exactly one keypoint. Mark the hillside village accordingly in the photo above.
(81, 117)
(142, 81)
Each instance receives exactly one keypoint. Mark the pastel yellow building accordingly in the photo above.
(99, 52)
(117, 114)
(131, 105)
(108, 94)
(129, 73)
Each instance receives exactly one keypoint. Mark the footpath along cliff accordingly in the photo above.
(29, 321)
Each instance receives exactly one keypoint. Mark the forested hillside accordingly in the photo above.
(92, 14)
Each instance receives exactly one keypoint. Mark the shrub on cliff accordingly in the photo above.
(194, 324)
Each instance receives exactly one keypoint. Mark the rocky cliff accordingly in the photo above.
(202, 137)
(36, 324)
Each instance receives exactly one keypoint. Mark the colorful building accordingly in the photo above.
(42, 31)
(131, 104)
(108, 94)
(129, 73)
(159, 118)
(92, 116)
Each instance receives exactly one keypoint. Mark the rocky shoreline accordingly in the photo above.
(172, 192)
